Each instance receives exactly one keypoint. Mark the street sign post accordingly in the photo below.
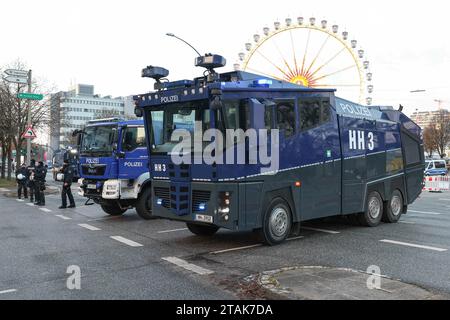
(16, 79)
(30, 96)
(17, 73)
(29, 133)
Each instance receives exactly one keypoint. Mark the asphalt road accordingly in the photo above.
(129, 258)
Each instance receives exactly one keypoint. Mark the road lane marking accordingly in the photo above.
(89, 227)
(8, 291)
(320, 230)
(4, 190)
(237, 249)
(20, 200)
(174, 230)
(414, 245)
(426, 212)
(407, 222)
(126, 241)
(30, 204)
(45, 209)
(251, 246)
(444, 199)
(295, 238)
(63, 217)
(188, 266)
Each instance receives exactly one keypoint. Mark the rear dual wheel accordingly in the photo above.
(371, 217)
(394, 208)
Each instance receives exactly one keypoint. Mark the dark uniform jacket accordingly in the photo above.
(68, 174)
(39, 174)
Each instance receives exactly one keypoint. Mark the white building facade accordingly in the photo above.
(71, 110)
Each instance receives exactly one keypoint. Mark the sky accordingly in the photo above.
(107, 43)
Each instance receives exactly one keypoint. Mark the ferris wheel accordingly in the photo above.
(311, 54)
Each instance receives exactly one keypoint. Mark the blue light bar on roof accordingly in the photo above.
(262, 83)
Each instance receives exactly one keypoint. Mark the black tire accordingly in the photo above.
(113, 209)
(144, 204)
(394, 208)
(276, 223)
(374, 211)
(202, 230)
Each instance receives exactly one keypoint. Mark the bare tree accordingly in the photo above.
(13, 117)
(429, 142)
(441, 122)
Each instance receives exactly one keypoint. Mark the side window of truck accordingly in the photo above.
(285, 116)
(412, 150)
(134, 137)
(313, 112)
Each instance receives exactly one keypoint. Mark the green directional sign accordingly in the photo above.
(30, 96)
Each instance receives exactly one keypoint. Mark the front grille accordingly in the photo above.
(198, 197)
(93, 170)
(164, 195)
(179, 198)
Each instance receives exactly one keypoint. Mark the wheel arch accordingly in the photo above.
(286, 195)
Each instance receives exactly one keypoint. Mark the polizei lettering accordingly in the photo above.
(130, 164)
(169, 99)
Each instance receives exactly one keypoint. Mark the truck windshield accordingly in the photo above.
(232, 115)
(98, 140)
(174, 117)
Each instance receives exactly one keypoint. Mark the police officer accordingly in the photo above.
(39, 181)
(22, 180)
(67, 170)
(31, 184)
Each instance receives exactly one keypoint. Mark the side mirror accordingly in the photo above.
(120, 155)
(114, 146)
(138, 112)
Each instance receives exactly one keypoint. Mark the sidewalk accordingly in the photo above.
(320, 283)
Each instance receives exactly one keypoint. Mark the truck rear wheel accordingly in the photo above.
(202, 230)
(277, 222)
(144, 204)
(113, 209)
(374, 210)
(394, 208)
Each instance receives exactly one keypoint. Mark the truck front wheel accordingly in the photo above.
(277, 222)
(202, 230)
(113, 209)
(144, 204)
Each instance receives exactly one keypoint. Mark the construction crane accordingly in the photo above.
(439, 101)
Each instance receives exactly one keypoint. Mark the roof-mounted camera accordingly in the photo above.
(210, 62)
(156, 73)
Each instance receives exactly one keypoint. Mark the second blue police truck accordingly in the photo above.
(114, 166)
(335, 157)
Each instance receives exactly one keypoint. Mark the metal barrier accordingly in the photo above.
(436, 183)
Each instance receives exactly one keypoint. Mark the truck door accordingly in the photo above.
(132, 148)
(321, 154)
(414, 164)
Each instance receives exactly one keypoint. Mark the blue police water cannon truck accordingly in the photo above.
(114, 166)
(333, 157)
